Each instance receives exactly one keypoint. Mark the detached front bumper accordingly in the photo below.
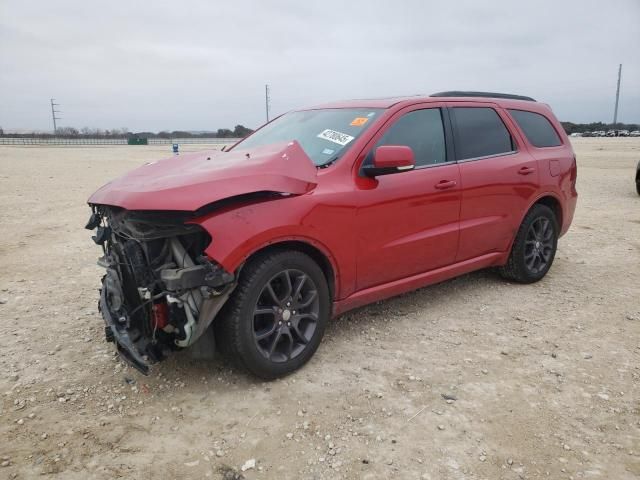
(117, 333)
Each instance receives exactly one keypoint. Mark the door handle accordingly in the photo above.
(444, 184)
(526, 170)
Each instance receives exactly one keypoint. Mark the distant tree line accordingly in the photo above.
(239, 131)
(571, 127)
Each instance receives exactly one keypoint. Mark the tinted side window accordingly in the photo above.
(537, 128)
(422, 130)
(480, 133)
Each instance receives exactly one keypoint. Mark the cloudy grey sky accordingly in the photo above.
(200, 65)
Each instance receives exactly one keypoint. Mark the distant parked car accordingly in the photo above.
(611, 133)
(635, 133)
(623, 133)
(576, 134)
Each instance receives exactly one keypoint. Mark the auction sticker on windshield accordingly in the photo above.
(359, 121)
(335, 137)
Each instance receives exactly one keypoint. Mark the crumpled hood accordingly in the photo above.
(188, 182)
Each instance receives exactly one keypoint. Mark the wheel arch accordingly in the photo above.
(548, 200)
(553, 203)
(317, 254)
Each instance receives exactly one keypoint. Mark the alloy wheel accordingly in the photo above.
(539, 244)
(285, 316)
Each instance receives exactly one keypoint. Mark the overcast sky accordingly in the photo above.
(202, 65)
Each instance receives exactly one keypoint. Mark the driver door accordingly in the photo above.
(408, 222)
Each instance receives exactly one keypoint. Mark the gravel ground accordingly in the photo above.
(474, 378)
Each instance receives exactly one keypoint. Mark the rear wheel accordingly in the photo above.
(534, 247)
(276, 317)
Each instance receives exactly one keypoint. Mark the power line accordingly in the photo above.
(53, 115)
(615, 112)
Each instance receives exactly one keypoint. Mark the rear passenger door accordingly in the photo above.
(499, 177)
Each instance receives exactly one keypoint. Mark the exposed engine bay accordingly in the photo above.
(160, 292)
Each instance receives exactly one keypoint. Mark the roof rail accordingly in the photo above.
(458, 93)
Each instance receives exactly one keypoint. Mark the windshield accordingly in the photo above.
(324, 135)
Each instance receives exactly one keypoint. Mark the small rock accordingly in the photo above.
(566, 447)
(289, 436)
(485, 371)
(44, 436)
(5, 463)
(248, 465)
(482, 458)
(192, 464)
(20, 422)
(449, 396)
(440, 427)
(588, 356)
(219, 453)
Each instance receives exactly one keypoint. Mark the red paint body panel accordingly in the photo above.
(382, 236)
(495, 193)
(189, 182)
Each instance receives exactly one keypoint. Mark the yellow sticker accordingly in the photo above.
(359, 121)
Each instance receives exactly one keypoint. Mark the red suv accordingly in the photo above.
(323, 210)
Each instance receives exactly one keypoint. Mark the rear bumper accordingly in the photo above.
(117, 333)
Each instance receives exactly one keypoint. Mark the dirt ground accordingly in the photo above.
(473, 378)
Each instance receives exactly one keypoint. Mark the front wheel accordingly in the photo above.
(276, 317)
(534, 247)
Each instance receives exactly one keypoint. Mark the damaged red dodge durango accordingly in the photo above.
(323, 210)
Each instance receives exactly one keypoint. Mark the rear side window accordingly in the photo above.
(422, 130)
(480, 133)
(536, 128)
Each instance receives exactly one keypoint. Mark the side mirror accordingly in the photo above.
(390, 159)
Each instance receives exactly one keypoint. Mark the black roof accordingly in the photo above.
(458, 93)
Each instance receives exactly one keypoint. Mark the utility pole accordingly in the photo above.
(615, 112)
(53, 115)
(267, 101)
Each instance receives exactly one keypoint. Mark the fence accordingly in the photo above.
(111, 141)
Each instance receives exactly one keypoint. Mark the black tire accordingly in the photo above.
(531, 255)
(236, 333)
(638, 184)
